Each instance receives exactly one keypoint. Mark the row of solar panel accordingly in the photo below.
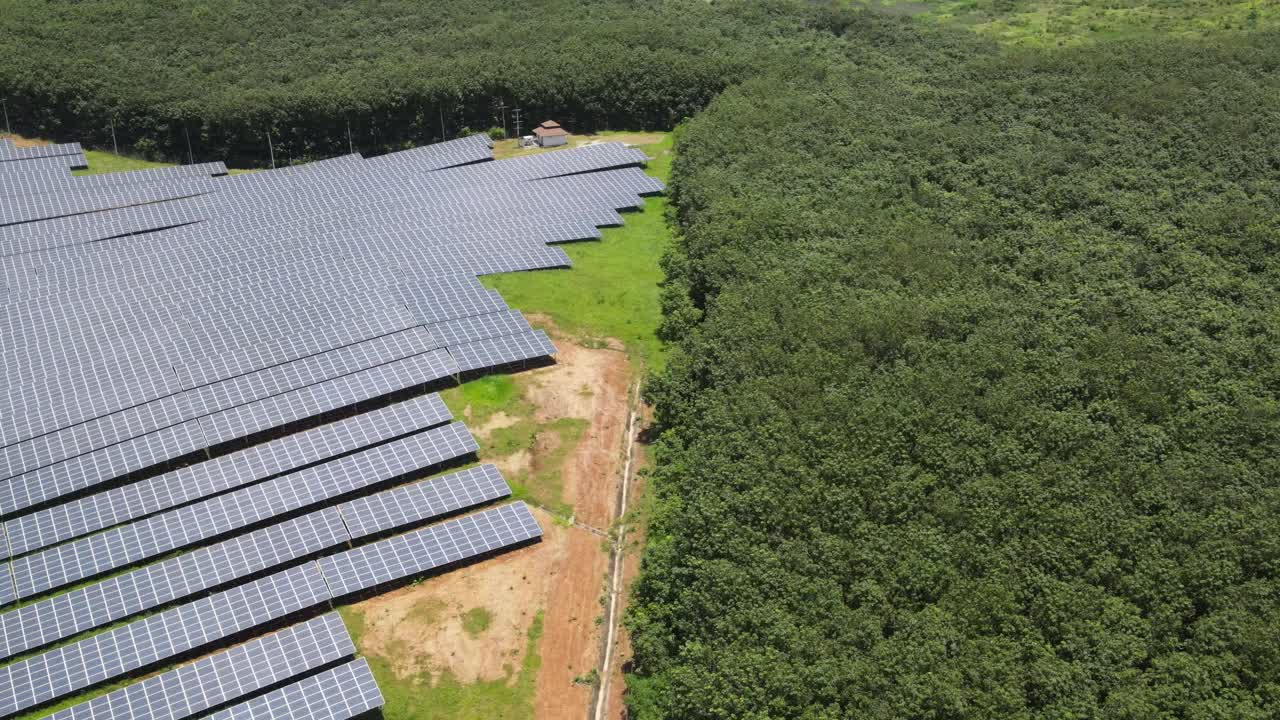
(312, 486)
(12, 157)
(84, 471)
(90, 421)
(374, 199)
(54, 176)
(200, 623)
(146, 588)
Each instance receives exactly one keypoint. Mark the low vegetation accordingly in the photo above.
(476, 620)
(613, 289)
(445, 698)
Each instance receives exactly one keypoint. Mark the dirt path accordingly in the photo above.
(421, 630)
(591, 385)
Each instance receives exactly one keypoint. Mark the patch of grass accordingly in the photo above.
(1061, 23)
(481, 398)
(613, 289)
(476, 620)
(549, 444)
(507, 698)
(545, 484)
(105, 162)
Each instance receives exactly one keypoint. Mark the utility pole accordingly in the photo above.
(7, 128)
(191, 158)
(351, 146)
(271, 149)
(443, 137)
(115, 147)
(517, 112)
(502, 110)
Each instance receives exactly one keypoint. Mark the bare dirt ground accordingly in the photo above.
(591, 385)
(419, 629)
(20, 141)
(508, 148)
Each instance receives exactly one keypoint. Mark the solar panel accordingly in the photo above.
(480, 327)
(141, 643)
(430, 548)
(113, 461)
(222, 677)
(128, 544)
(55, 618)
(423, 500)
(7, 592)
(259, 462)
(495, 352)
(344, 692)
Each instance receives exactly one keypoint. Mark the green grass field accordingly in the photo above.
(1060, 23)
(613, 288)
(479, 400)
(105, 162)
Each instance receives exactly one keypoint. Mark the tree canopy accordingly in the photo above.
(973, 411)
(397, 72)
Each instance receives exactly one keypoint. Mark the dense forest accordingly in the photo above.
(394, 73)
(973, 404)
(974, 410)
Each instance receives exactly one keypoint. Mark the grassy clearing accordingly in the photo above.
(105, 162)
(509, 698)
(1061, 23)
(613, 288)
(479, 402)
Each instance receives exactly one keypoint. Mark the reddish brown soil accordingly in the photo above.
(419, 628)
(591, 385)
(24, 142)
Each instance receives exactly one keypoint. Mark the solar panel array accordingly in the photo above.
(217, 410)
(183, 628)
(223, 677)
(344, 692)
